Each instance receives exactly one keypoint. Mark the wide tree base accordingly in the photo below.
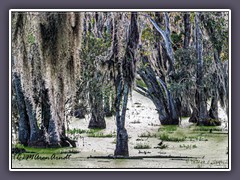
(170, 122)
(122, 143)
(209, 122)
(97, 124)
(186, 112)
(66, 142)
(79, 113)
(109, 114)
(42, 143)
(38, 144)
(194, 117)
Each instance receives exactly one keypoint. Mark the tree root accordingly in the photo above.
(66, 141)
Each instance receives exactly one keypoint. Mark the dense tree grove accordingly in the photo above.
(88, 63)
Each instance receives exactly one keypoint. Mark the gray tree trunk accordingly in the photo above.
(213, 111)
(200, 95)
(97, 111)
(167, 40)
(185, 108)
(45, 46)
(157, 89)
(160, 95)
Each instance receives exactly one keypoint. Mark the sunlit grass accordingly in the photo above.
(168, 128)
(188, 146)
(207, 128)
(44, 150)
(167, 137)
(142, 146)
(148, 135)
(101, 135)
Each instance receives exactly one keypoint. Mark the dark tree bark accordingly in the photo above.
(34, 130)
(226, 79)
(79, 109)
(194, 116)
(46, 111)
(213, 111)
(54, 137)
(187, 30)
(108, 112)
(186, 111)
(29, 132)
(122, 136)
(24, 129)
(97, 111)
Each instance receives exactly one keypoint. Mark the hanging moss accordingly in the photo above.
(147, 35)
(31, 38)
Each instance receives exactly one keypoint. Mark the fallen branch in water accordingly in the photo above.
(140, 157)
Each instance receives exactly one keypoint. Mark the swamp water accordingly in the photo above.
(208, 145)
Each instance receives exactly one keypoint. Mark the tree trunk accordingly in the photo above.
(187, 30)
(200, 95)
(157, 88)
(213, 111)
(24, 129)
(164, 103)
(46, 112)
(125, 77)
(107, 108)
(219, 91)
(97, 111)
(34, 130)
(46, 48)
(167, 40)
(194, 115)
(186, 111)
(122, 136)
(185, 108)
